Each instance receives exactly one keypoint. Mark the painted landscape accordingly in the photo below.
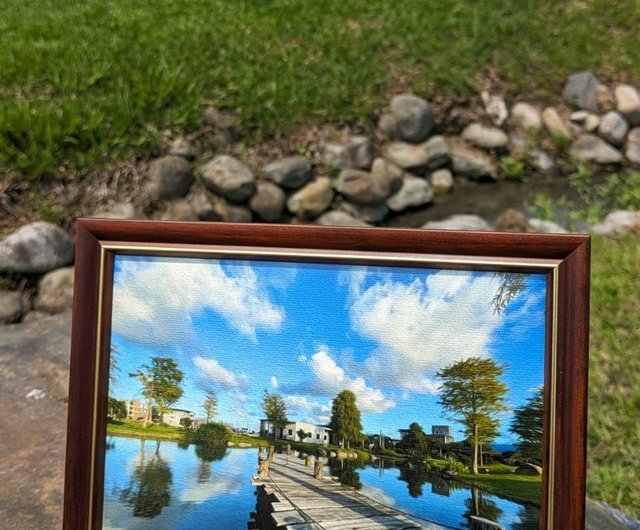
(402, 395)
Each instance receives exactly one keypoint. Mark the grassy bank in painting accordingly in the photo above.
(502, 481)
(101, 80)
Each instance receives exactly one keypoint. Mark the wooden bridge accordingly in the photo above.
(291, 498)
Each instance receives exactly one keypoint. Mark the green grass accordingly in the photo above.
(523, 488)
(614, 392)
(153, 431)
(81, 83)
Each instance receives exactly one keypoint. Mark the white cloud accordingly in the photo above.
(211, 371)
(300, 408)
(154, 301)
(330, 379)
(302, 358)
(423, 326)
(274, 381)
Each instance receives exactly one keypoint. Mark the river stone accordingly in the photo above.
(120, 210)
(587, 120)
(229, 177)
(34, 355)
(632, 148)
(441, 181)
(471, 162)
(313, 199)
(179, 211)
(590, 148)
(369, 214)
(225, 124)
(180, 146)
(628, 103)
(414, 192)
(292, 172)
(496, 107)
(410, 120)
(203, 207)
(390, 173)
(169, 177)
(618, 222)
(437, 151)
(363, 188)
(36, 248)
(512, 221)
(485, 137)
(554, 123)
(339, 218)
(12, 306)
(526, 116)
(600, 515)
(357, 154)
(542, 160)
(55, 291)
(547, 227)
(407, 156)
(231, 213)
(613, 128)
(459, 222)
(268, 202)
(581, 90)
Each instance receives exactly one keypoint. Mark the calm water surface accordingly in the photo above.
(159, 485)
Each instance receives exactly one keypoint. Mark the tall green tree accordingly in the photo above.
(161, 384)
(210, 404)
(275, 410)
(415, 442)
(116, 409)
(527, 424)
(345, 418)
(472, 390)
(511, 284)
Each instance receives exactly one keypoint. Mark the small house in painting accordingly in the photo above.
(173, 416)
(315, 434)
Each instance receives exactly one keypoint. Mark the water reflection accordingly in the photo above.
(482, 506)
(148, 490)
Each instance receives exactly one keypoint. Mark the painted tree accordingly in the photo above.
(527, 424)
(275, 410)
(210, 404)
(415, 442)
(511, 284)
(160, 384)
(345, 418)
(471, 389)
(116, 409)
(302, 435)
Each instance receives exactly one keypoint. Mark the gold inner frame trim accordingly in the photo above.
(284, 254)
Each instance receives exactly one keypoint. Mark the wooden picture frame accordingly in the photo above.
(563, 260)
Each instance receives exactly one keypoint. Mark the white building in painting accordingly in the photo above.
(173, 416)
(316, 434)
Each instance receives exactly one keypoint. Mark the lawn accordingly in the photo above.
(153, 431)
(614, 392)
(523, 488)
(85, 82)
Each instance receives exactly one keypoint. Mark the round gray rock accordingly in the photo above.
(414, 192)
(363, 188)
(441, 181)
(169, 177)
(179, 211)
(384, 170)
(471, 162)
(485, 137)
(339, 218)
(526, 116)
(628, 103)
(55, 291)
(313, 199)
(437, 151)
(412, 118)
(459, 222)
(581, 90)
(407, 156)
(632, 148)
(12, 306)
(613, 128)
(369, 214)
(36, 248)
(229, 177)
(268, 202)
(590, 148)
(358, 153)
(291, 172)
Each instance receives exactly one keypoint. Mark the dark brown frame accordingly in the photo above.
(566, 255)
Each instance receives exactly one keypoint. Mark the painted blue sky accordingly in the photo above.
(309, 331)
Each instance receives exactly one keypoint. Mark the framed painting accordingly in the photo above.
(301, 377)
